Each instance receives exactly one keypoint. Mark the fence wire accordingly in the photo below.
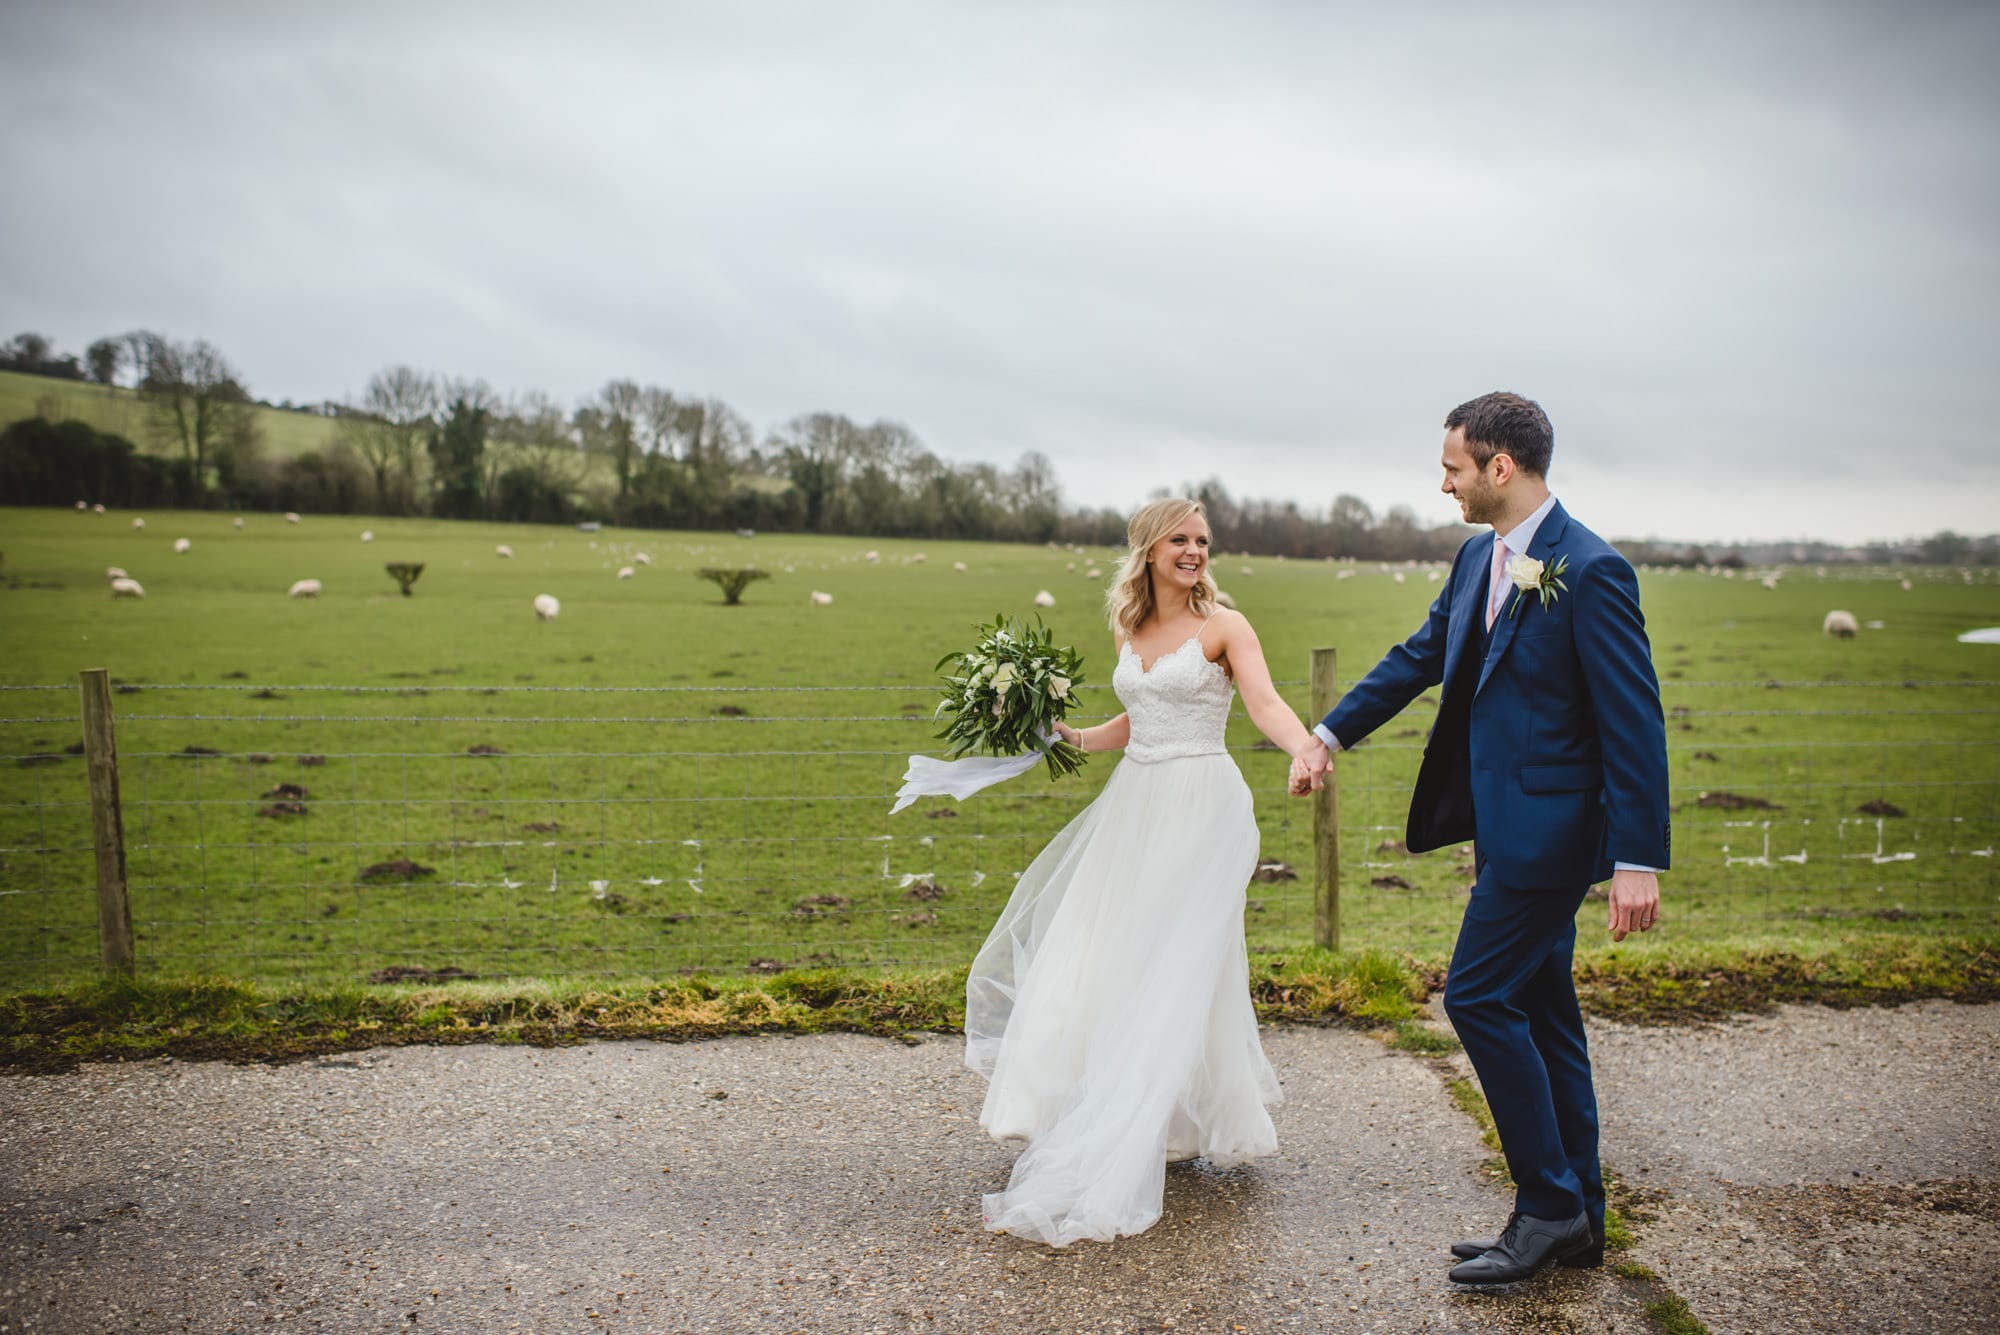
(396, 839)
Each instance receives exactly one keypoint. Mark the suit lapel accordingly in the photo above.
(1546, 538)
(1468, 601)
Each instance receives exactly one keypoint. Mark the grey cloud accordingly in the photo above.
(1270, 242)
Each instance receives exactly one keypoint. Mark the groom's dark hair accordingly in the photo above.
(1503, 423)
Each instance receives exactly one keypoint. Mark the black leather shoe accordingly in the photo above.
(1525, 1247)
(1588, 1259)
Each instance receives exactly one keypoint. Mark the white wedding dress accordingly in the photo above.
(1110, 1007)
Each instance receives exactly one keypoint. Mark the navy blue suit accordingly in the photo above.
(1549, 753)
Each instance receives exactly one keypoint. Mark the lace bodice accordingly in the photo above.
(1178, 708)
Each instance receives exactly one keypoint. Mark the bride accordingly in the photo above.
(1109, 1008)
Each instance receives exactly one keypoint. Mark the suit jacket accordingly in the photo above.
(1551, 750)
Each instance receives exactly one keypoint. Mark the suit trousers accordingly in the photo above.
(1512, 999)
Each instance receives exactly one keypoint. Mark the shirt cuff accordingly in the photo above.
(1332, 742)
(1631, 866)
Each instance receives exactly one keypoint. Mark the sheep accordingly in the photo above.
(236, 522)
(1093, 573)
(83, 505)
(97, 509)
(305, 588)
(822, 599)
(1397, 576)
(182, 546)
(1841, 625)
(126, 588)
(291, 517)
(138, 524)
(958, 566)
(640, 558)
(917, 558)
(1906, 586)
(504, 551)
(1045, 599)
(367, 535)
(872, 556)
(115, 572)
(625, 572)
(546, 607)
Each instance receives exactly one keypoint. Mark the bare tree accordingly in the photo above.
(612, 421)
(196, 400)
(389, 428)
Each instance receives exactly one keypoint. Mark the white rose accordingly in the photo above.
(1003, 679)
(1058, 688)
(1526, 572)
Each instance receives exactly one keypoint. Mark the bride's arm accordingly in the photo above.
(1110, 735)
(1268, 710)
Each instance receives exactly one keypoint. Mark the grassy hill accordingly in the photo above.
(119, 411)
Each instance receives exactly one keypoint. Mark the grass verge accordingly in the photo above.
(202, 1018)
(218, 1018)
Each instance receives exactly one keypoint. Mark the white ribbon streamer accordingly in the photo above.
(928, 777)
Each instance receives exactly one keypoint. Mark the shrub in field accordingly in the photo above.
(732, 581)
(404, 573)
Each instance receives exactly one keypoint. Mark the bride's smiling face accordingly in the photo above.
(1179, 558)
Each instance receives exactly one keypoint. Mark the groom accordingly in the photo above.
(1549, 752)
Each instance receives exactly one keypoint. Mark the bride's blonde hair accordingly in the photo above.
(1129, 600)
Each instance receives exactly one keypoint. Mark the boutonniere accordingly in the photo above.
(1531, 576)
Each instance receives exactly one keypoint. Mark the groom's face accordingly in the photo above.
(1474, 487)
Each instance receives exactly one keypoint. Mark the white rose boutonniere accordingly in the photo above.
(1531, 576)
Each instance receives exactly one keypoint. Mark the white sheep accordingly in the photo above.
(83, 505)
(640, 558)
(1398, 577)
(138, 523)
(305, 588)
(182, 546)
(822, 599)
(1906, 586)
(546, 607)
(291, 517)
(236, 522)
(626, 572)
(115, 572)
(958, 565)
(918, 558)
(1841, 625)
(126, 588)
(503, 550)
(97, 509)
(872, 556)
(1093, 573)
(1045, 599)
(367, 535)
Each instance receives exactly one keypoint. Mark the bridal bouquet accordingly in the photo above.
(1005, 695)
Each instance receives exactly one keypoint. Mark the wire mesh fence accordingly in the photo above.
(437, 829)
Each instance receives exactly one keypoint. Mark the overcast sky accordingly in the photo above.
(1747, 256)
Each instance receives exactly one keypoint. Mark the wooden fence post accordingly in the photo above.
(1326, 817)
(107, 822)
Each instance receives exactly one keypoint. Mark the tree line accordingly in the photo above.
(640, 455)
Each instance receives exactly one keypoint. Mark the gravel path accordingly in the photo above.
(832, 1184)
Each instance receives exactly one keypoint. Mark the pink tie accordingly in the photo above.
(1496, 586)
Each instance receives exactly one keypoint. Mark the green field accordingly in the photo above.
(120, 412)
(725, 772)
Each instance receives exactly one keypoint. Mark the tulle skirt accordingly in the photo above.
(1110, 1007)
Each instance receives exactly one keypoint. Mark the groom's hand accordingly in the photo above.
(1635, 902)
(1309, 767)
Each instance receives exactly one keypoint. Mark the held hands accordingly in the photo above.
(1309, 768)
(1635, 902)
(1071, 735)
